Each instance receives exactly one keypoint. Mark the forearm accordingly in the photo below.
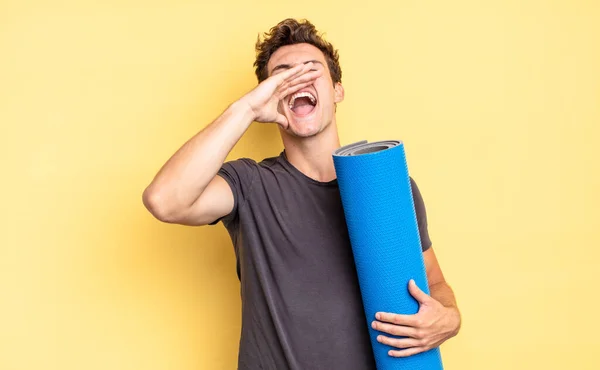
(442, 293)
(183, 178)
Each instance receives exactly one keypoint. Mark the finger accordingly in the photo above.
(281, 120)
(397, 330)
(417, 293)
(407, 352)
(399, 343)
(292, 89)
(406, 320)
(306, 68)
(308, 76)
(294, 72)
(302, 79)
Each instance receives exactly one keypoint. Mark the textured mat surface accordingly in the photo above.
(378, 205)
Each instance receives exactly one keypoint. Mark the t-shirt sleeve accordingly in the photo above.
(240, 175)
(421, 216)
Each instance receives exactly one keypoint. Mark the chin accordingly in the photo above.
(304, 128)
(305, 134)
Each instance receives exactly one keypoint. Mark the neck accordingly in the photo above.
(313, 155)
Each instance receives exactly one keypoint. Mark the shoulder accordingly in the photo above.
(241, 163)
(413, 185)
(272, 162)
(246, 169)
(417, 196)
(245, 162)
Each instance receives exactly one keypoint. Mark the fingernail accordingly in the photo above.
(378, 316)
(379, 338)
(374, 325)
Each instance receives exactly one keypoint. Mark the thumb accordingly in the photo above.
(417, 293)
(281, 120)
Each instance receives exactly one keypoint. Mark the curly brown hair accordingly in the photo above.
(289, 32)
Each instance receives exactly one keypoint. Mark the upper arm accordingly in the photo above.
(421, 214)
(220, 199)
(432, 267)
(215, 202)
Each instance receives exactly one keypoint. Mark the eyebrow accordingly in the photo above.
(288, 66)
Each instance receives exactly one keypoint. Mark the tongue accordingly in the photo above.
(302, 106)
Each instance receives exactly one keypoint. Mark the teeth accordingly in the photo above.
(304, 94)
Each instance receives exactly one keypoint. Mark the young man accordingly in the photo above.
(301, 303)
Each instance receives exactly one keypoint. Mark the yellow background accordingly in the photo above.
(498, 103)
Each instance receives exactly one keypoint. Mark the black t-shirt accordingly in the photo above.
(301, 303)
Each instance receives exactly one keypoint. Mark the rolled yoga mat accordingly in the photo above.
(378, 205)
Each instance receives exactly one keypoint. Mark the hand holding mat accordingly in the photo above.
(379, 209)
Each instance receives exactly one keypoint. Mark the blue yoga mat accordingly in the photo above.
(379, 209)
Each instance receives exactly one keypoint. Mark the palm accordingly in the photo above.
(265, 98)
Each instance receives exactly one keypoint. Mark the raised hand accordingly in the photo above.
(264, 99)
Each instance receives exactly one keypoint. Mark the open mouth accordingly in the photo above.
(302, 103)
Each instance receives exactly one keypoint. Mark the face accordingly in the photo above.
(312, 109)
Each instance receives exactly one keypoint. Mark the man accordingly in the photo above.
(301, 303)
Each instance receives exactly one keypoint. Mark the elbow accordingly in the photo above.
(157, 204)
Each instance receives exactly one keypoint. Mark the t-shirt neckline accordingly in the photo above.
(301, 175)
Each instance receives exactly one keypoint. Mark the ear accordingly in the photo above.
(339, 92)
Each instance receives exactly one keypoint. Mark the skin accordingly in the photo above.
(187, 191)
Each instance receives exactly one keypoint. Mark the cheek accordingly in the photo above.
(326, 92)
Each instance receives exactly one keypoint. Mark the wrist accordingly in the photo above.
(242, 109)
